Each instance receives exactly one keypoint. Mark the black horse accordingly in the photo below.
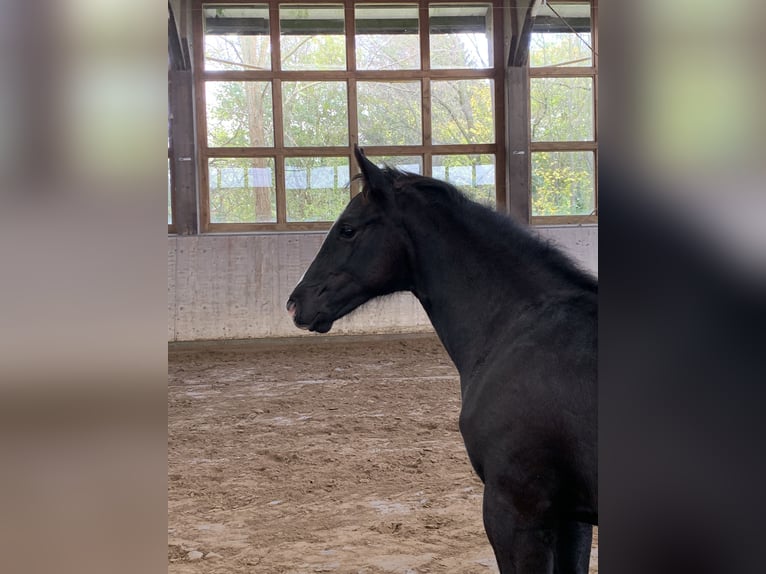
(518, 319)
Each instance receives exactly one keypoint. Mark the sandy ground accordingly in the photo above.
(321, 457)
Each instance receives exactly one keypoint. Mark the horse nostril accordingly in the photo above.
(291, 305)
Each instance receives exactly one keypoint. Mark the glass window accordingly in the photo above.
(460, 36)
(312, 37)
(410, 163)
(473, 174)
(561, 109)
(563, 183)
(387, 37)
(389, 113)
(242, 190)
(239, 114)
(462, 111)
(317, 188)
(237, 37)
(301, 103)
(563, 37)
(315, 113)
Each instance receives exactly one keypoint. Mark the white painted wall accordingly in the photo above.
(236, 286)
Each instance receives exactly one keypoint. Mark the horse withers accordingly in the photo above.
(518, 319)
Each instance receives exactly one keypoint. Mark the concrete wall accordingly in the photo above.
(236, 286)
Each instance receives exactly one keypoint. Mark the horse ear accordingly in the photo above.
(375, 181)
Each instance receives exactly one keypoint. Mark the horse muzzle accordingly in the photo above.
(293, 310)
(317, 323)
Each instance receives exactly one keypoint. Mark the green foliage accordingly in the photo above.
(239, 114)
(562, 183)
(461, 111)
(561, 109)
(317, 188)
(461, 51)
(387, 52)
(321, 52)
(389, 113)
(242, 190)
(560, 49)
(315, 113)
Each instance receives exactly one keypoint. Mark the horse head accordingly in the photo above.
(363, 256)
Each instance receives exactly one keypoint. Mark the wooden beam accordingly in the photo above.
(563, 146)
(498, 101)
(564, 219)
(184, 153)
(267, 227)
(175, 54)
(521, 29)
(518, 161)
(567, 72)
(179, 59)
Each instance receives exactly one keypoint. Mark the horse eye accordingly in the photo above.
(346, 231)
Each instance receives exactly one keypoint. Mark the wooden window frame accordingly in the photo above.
(592, 146)
(351, 76)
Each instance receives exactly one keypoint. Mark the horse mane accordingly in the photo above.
(488, 225)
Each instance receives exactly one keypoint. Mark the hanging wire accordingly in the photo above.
(552, 9)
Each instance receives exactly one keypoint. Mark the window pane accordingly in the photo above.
(317, 188)
(237, 37)
(312, 37)
(315, 113)
(242, 190)
(462, 111)
(562, 183)
(387, 37)
(411, 164)
(564, 40)
(170, 194)
(561, 109)
(473, 174)
(389, 113)
(461, 36)
(239, 114)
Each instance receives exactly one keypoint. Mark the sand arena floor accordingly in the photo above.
(321, 456)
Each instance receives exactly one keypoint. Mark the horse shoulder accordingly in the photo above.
(538, 381)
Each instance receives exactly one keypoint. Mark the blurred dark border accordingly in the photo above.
(83, 248)
(682, 310)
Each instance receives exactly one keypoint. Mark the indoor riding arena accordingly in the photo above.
(292, 449)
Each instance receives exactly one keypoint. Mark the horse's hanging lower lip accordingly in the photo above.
(321, 328)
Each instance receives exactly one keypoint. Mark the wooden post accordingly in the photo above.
(518, 164)
(184, 152)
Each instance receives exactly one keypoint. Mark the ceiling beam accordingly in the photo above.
(522, 18)
(177, 51)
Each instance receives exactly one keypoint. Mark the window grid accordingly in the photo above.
(571, 146)
(351, 76)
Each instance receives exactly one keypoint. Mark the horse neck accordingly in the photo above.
(469, 282)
